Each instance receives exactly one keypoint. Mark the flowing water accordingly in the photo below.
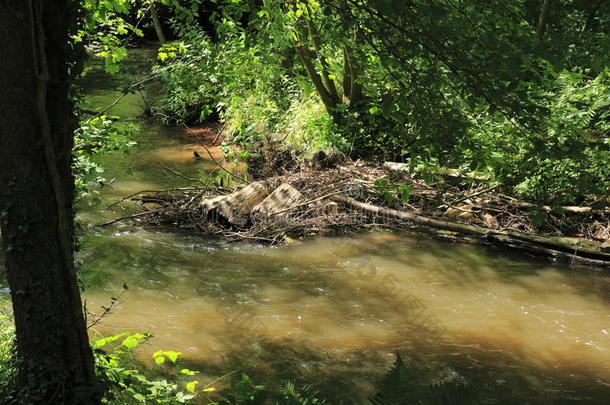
(332, 312)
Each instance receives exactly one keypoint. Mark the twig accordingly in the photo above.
(241, 236)
(114, 302)
(487, 190)
(218, 134)
(183, 176)
(221, 166)
(125, 92)
(215, 161)
(152, 191)
(129, 217)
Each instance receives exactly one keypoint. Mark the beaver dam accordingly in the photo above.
(341, 198)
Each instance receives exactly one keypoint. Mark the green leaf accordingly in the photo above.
(173, 356)
(133, 341)
(190, 387)
(108, 339)
(538, 219)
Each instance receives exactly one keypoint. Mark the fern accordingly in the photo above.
(400, 385)
(306, 396)
(405, 385)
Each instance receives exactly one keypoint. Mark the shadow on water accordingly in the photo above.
(332, 311)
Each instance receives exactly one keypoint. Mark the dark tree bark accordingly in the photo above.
(157, 24)
(543, 20)
(317, 44)
(327, 98)
(36, 193)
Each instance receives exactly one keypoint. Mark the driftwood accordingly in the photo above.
(327, 159)
(564, 209)
(453, 174)
(235, 207)
(281, 200)
(305, 202)
(558, 247)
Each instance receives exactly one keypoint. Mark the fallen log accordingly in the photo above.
(450, 174)
(557, 247)
(281, 200)
(235, 207)
(563, 209)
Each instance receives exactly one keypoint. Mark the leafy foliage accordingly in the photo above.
(202, 78)
(103, 29)
(480, 88)
(97, 136)
(243, 392)
(306, 396)
(126, 382)
(7, 360)
(128, 385)
(566, 161)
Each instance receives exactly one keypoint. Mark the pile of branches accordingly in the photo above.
(313, 213)
(356, 196)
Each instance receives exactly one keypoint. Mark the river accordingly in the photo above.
(332, 312)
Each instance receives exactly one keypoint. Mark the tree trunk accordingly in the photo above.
(317, 43)
(543, 20)
(235, 207)
(347, 75)
(36, 188)
(157, 24)
(329, 102)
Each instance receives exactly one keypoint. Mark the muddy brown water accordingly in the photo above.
(332, 312)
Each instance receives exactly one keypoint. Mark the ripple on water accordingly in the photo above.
(368, 294)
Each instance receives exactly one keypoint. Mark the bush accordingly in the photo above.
(246, 85)
(125, 384)
(565, 160)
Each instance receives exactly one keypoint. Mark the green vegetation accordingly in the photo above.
(98, 135)
(492, 90)
(7, 333)
(434, 84)
(128, 385)
(126, 382)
